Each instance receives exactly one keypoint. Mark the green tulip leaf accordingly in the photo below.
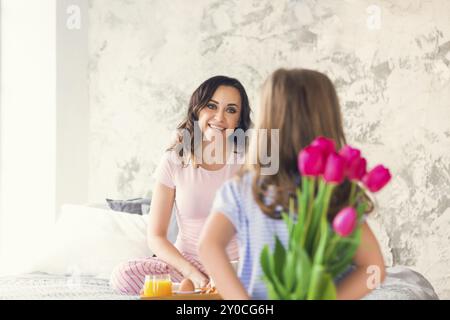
(289, 271)
(268, 265)
(265, 262)
(346, 258)
(322, 286)
(327, 288)
(313, 290)
(303, 273)
(279, 258)
(271, 292)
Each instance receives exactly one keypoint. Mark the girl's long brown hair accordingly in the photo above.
(199, 99)
(303, 105)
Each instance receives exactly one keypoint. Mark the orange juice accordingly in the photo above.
(157, 286)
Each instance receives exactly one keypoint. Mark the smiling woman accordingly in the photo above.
(185, 181)
(222, 111)
(218, 104)
(217, 121)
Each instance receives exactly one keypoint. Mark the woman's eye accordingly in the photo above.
(231, 110)
(211, 106)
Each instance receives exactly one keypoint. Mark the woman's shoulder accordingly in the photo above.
(169, 168)
(172, 159)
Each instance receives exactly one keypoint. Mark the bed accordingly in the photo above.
(75, 260)
(401, 283)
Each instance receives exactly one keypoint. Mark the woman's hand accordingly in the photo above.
(199, 279)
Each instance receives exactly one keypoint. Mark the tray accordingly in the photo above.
(191, 296)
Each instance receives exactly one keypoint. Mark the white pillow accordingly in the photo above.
(91, 241)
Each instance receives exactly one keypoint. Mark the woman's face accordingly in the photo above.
(222, 112)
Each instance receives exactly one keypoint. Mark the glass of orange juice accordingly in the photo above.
(157, 285)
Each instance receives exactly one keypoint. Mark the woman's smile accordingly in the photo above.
(216, 127)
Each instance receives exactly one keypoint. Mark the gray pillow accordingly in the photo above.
(145, 208)
(130, 206)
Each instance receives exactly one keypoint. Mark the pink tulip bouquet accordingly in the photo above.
(317, 251)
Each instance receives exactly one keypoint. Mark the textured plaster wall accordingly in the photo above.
(390, 61)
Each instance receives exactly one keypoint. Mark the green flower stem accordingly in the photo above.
(300, 226)
(318, 258)
(312, 186)
(329, 191)
(312, 224)
(309, 212)
(304, 206)
(331, 247)
(301, 217)
(292, 225)
(305, 189)
(323, 203)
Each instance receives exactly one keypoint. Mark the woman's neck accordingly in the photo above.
(214, 155)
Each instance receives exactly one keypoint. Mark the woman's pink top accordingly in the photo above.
(195, 189)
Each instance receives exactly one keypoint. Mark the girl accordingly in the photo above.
(302, 104)
(188, 184)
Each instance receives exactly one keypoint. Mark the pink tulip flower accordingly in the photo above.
(377, 178)
(326, 145)
(357, 169)
(311, 161)
(345, 221)
(334, 169)
(355, 166)
(349, 154)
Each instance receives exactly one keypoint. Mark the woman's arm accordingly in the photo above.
(159, 219)
(215, 237)
(357, 285)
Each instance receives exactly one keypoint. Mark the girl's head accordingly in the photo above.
(218, 104)
(302, 104)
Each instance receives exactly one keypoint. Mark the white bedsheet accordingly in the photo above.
(401, 283)
(41, 286)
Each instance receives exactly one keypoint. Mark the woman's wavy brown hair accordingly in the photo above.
(303, 105)
(199, 99)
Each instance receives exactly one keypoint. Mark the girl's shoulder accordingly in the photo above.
(240, 184)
